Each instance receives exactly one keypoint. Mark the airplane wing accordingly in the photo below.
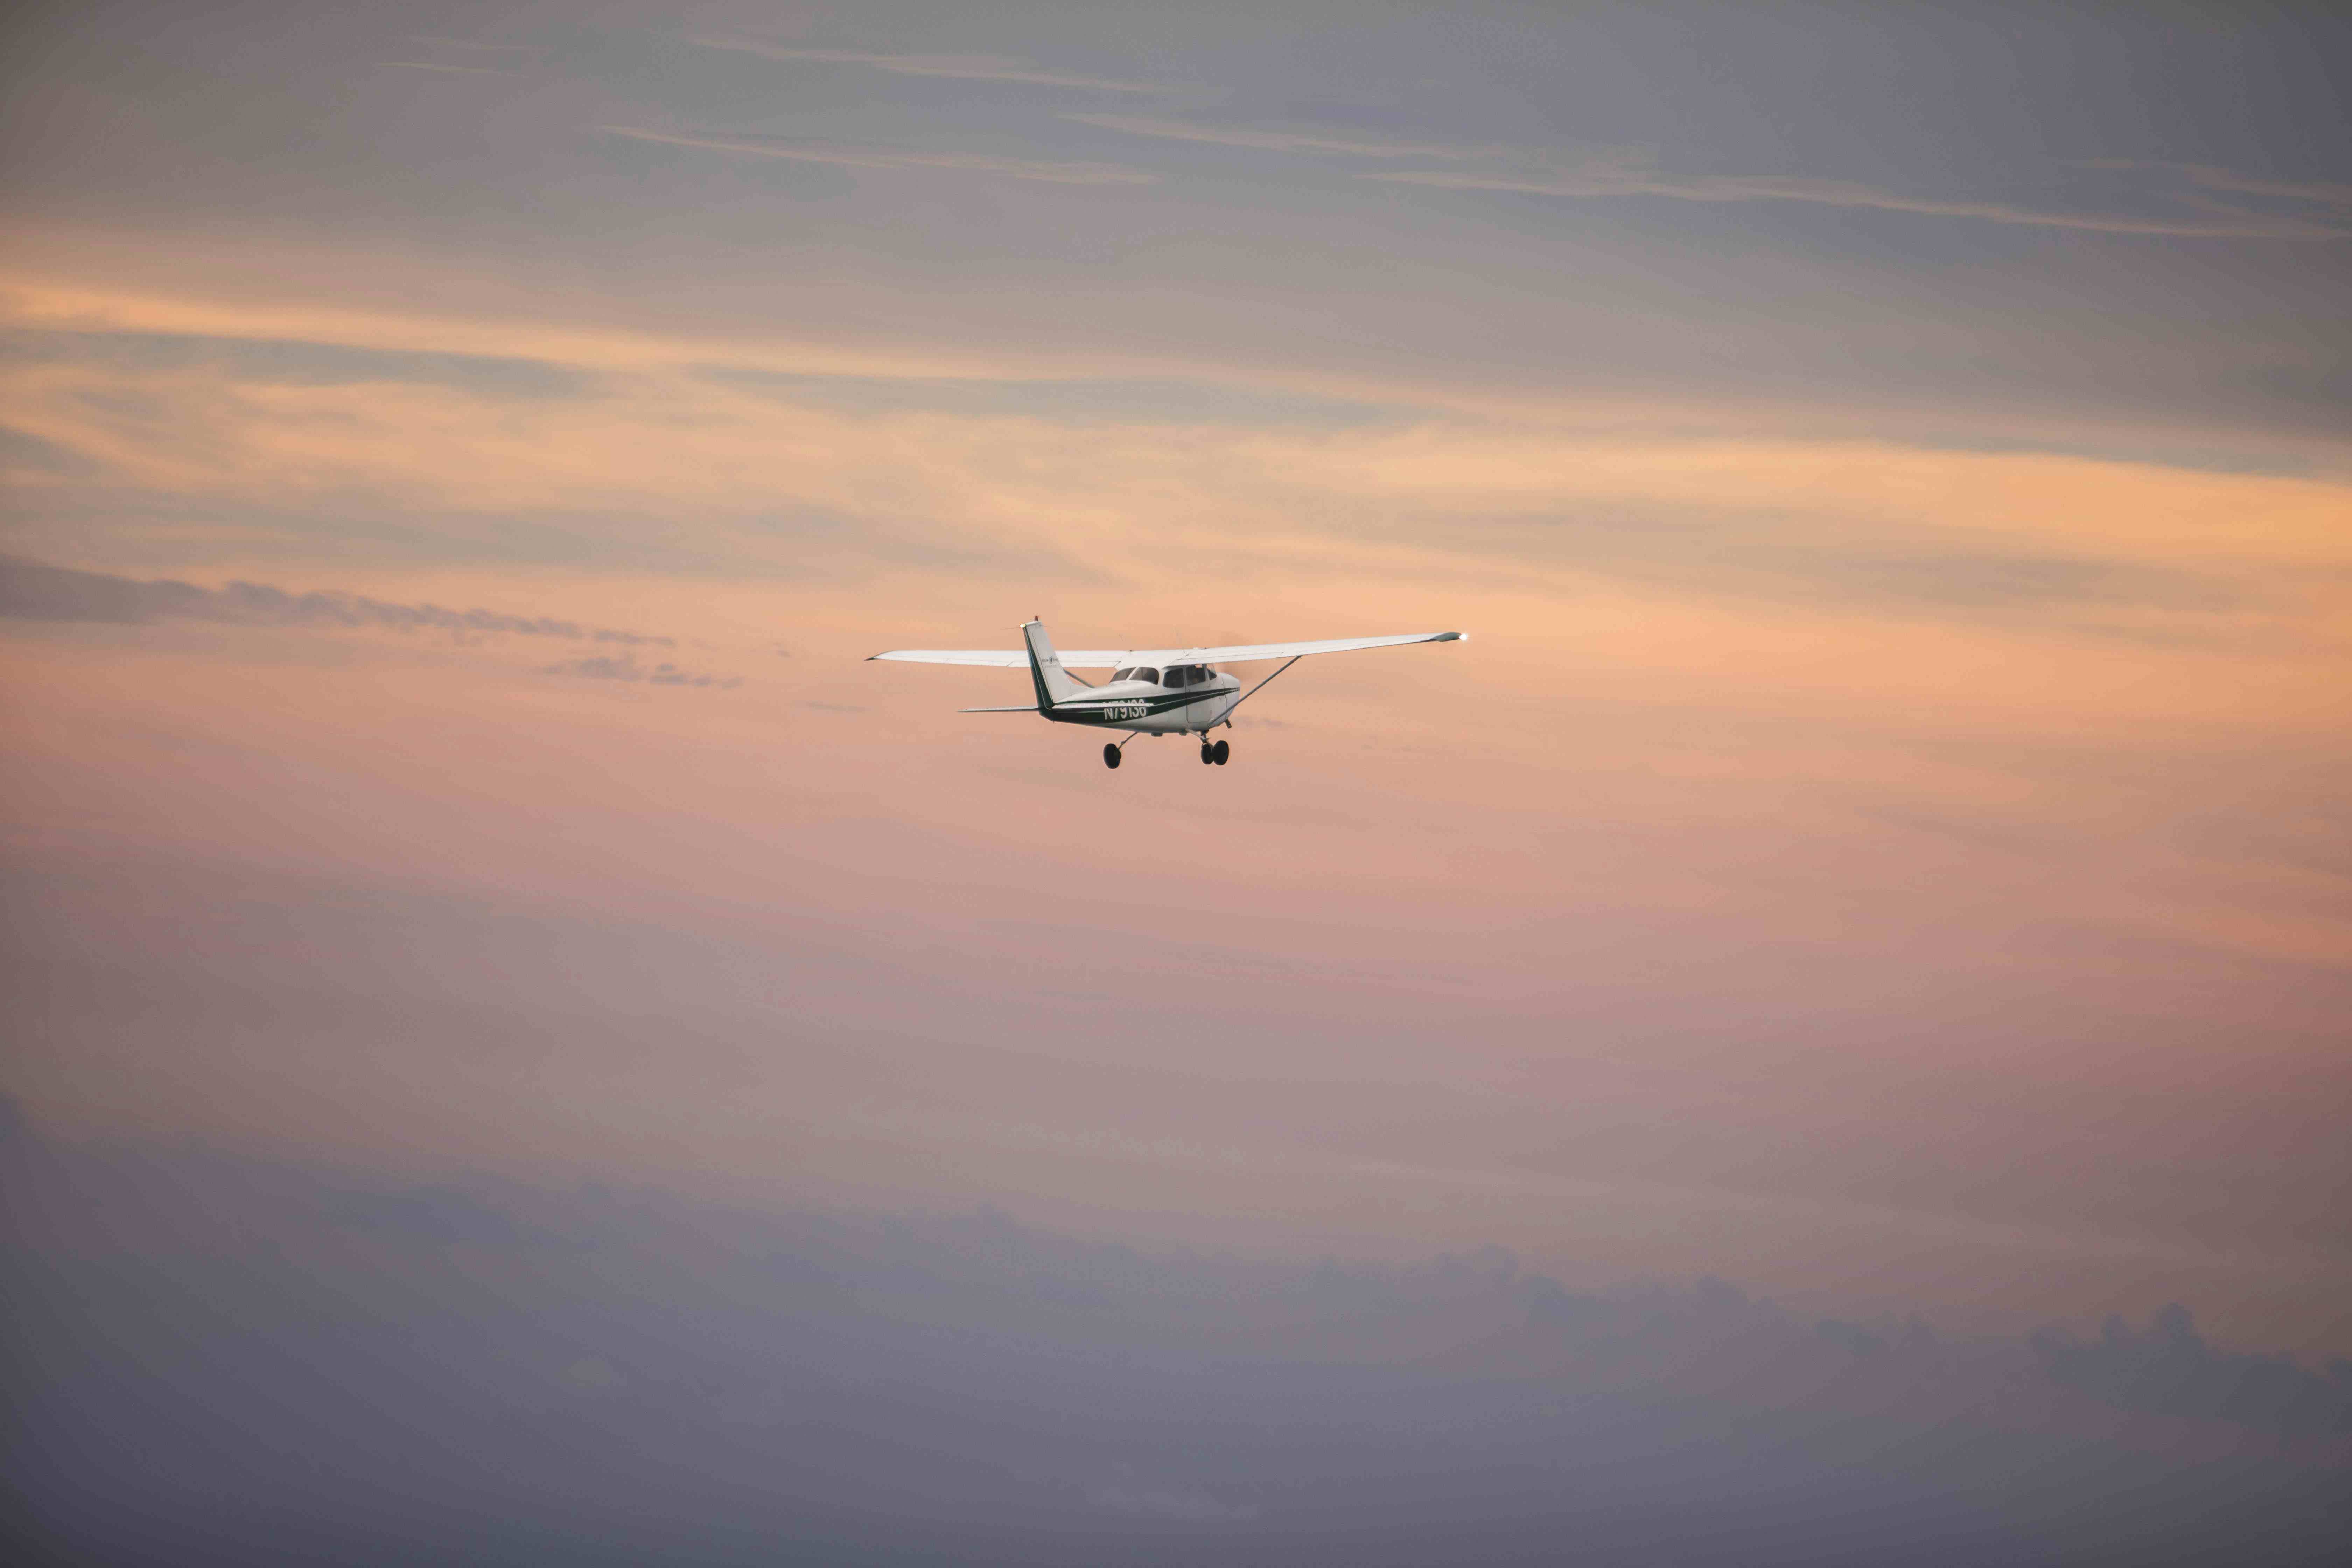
(1244, 654)
(1099, 658)
(1000, 658)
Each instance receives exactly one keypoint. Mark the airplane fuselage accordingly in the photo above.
(1179, 700)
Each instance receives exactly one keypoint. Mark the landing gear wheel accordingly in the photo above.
(1207, 753)
(1220, 752)
(1111, 756)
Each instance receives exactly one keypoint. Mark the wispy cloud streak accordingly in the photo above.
(2318, 192)
(967, 68)
(34, 591)
(1635, 177)
(454, 70)
(1276, 140)
(626, 668)
(881, 158)
(1631, 172)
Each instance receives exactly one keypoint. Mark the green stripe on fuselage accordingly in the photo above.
(1093, 710)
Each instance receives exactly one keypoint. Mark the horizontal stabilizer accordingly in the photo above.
(1024, 707)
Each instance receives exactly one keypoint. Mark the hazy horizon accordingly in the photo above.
(307, 1362)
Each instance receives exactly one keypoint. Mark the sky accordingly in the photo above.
(1882, 844)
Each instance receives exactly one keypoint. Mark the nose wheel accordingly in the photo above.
(1217, 753)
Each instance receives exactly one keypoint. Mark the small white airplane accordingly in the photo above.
(1152, 691)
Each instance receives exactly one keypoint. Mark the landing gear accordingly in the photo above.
(1207, 753)
(1110, 756)
(1220, 752)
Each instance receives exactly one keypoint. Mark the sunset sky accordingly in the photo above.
(1884, 843)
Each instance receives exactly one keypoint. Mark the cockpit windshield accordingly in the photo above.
(1142, 672)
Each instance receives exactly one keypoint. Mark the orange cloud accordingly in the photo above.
(1790, 781)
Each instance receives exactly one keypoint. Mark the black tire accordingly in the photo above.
(1110, 756)
(1207, 753)
(1224, 749)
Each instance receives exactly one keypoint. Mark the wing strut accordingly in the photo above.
(1262, 685)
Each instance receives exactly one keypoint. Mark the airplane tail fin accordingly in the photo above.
(1053, 683)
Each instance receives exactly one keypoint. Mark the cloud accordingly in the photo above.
(486, 46)
(2169, 1369)
(34, 591)
(627, 668)
(294, 362)
(2319, 193)
(433, 1215)
(889, 1383)
(2222, 180)
(884, 158)
(1091, 400)
(505, 59)
(1627, 172)
(1934, 575)
(964, 67)
(1630, 172)
(461, 70)
(31, 454)
(1274, 141)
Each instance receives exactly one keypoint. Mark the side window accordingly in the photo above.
(1145, 672)
(1122, 675)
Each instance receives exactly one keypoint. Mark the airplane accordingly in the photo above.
(1152, 691)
